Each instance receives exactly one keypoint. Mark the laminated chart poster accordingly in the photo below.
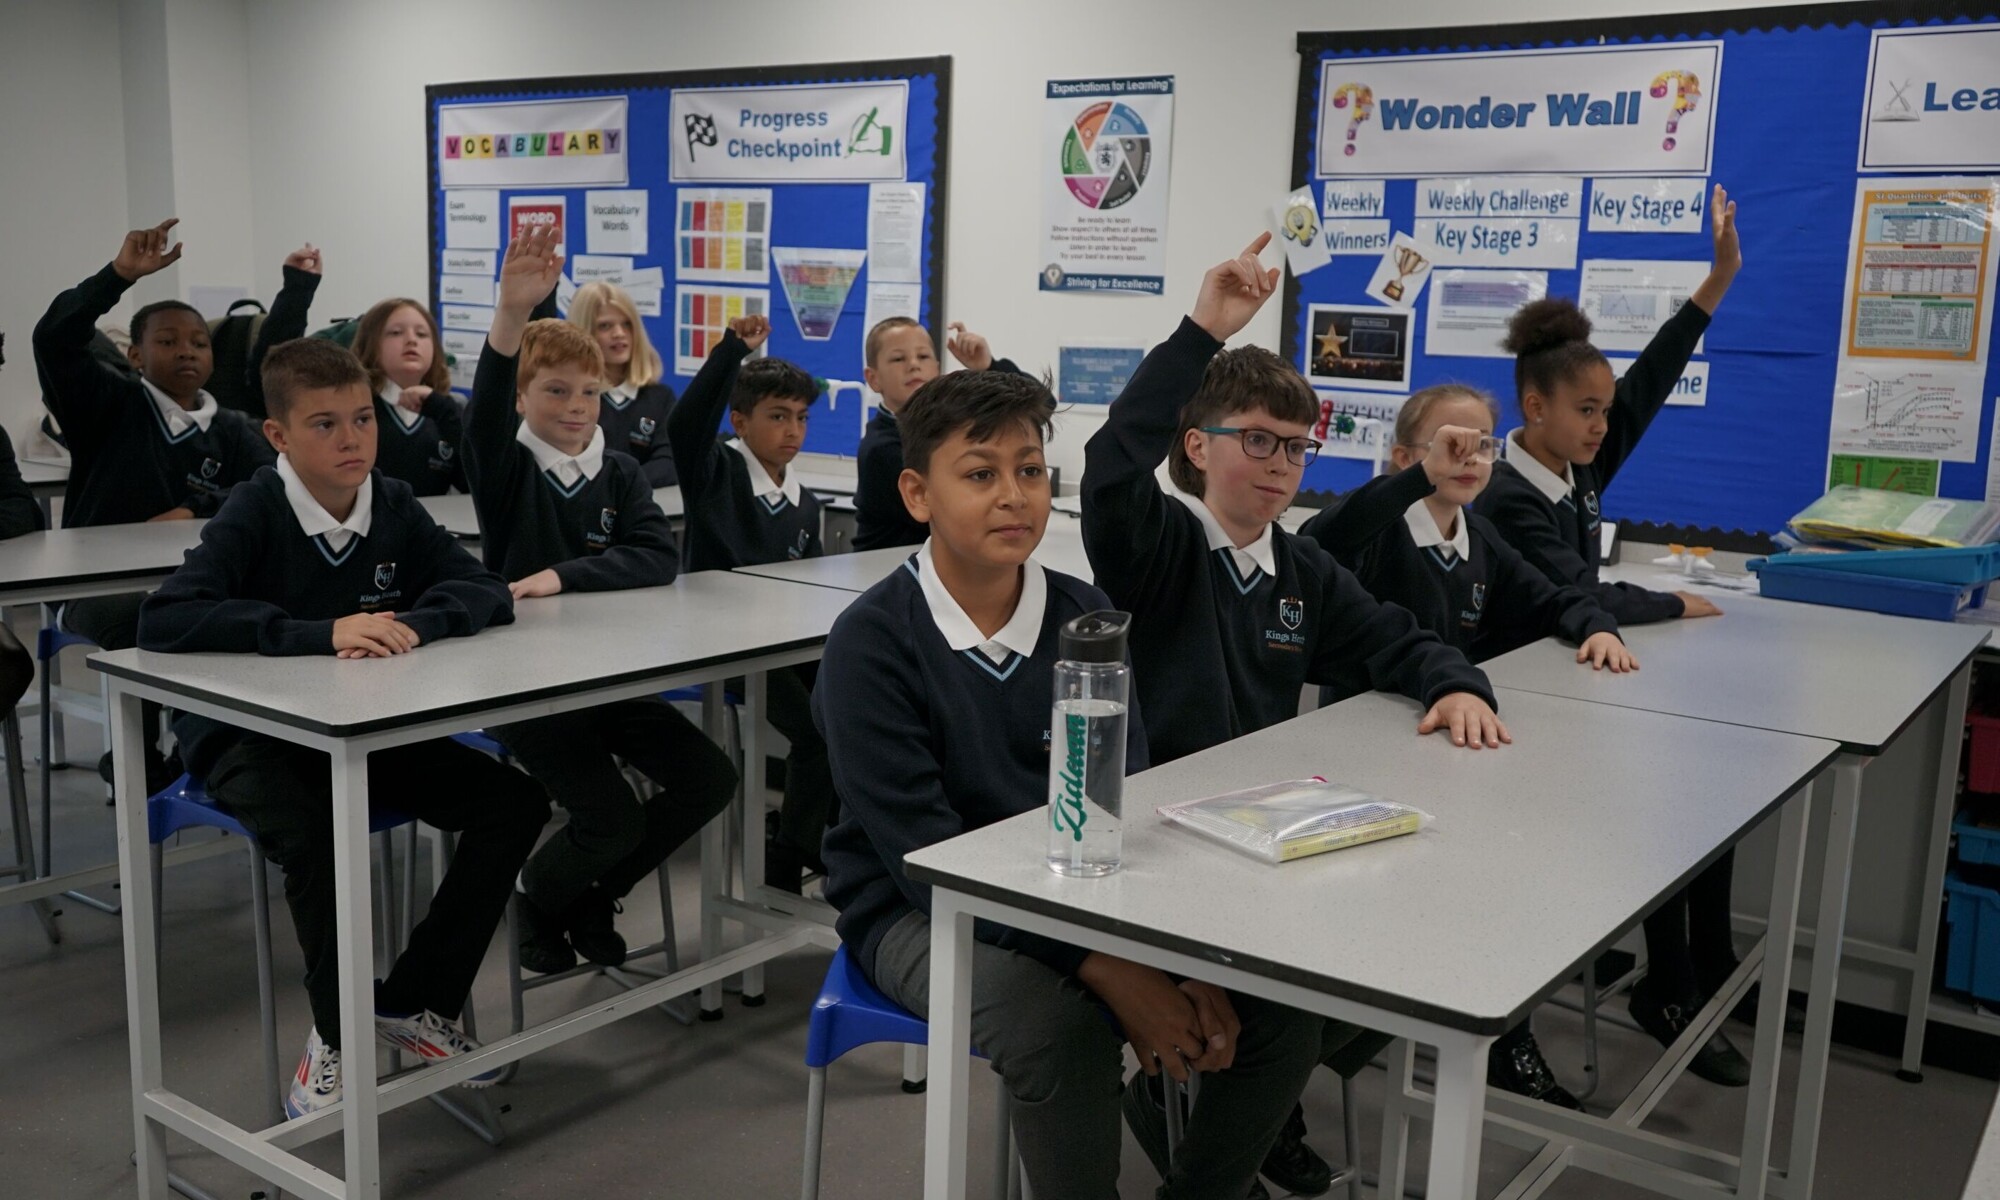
(1920, 269)
(702, 315)
(722, 235)
(1107, 148)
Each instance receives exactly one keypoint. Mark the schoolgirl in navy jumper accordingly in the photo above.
(421, 426)
(635, 402)
(559, 512)
(1581, 427)
(324, 555)
(934, 696)
(899, 358)
(745, 506)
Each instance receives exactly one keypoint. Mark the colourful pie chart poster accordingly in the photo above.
(1106, 153)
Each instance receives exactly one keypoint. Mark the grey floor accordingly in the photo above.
(650, 1108)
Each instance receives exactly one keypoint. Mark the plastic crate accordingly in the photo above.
(1982, 770)
(1975, 844)
(1783, 579)
(1972, 956)
(1964, 566)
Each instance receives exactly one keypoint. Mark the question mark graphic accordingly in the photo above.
(1364, 104)
(1687, 94)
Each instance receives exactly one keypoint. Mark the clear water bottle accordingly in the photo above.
(1087, 746)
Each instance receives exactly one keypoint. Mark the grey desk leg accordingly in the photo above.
(756, 790)
(24, 869)
(1931, 899)
(946, 1105)
(1830, 925)
(1401, 1058)
(142, 961)
(354, 940)
(714, 859)
(1459, 1118)
(1781, 931)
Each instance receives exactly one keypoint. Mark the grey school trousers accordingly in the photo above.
(1063, 1062)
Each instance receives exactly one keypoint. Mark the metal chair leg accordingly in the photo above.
(1350, 1122)
(24, 832)
(815, 1131)
(267, 997)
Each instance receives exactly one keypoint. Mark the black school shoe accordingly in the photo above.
(1516, 1065)
(1294, 1166)
(593, 929)
(1145, 1108)
(544, 949)
(1718, 1061)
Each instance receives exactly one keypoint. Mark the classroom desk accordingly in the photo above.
(1851, 677)
(1441, 938)
(99, 560)
(45, 481)
(702, 629)
(453, 510)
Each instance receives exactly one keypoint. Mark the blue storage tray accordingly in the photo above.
(1963, 566)
(1786, 580)
(1976, 845)
(1972, 955)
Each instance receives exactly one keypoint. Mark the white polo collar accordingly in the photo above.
(620, 396)
(567, 470)
(762, 485)
(178, 419)
(1547, 482)
(1424, 529)
(391, 393)
(313, 517)
(1258, 555)
(1018, 636)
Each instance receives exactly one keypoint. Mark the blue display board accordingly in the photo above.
(1785, 131)
(811, 208)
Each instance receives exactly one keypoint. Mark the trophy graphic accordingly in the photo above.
(1408, 263)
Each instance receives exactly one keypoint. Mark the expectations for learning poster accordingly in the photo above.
(1107, 149)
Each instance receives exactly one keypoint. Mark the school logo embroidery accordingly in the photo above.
(646, 426)
(1292, 611)
(607, 518)
(209, 467)
(1478, 597)
(446, 450)
(385, 574)
(1590, 503)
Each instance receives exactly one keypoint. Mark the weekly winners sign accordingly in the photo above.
(1601, 110)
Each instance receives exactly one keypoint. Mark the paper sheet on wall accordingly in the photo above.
(816, 284)
(1920, 269)
(701, 316)
(464, 289)
(1916, 410)
(565, 294)
(723, 235)
(1370, 419)
(1295, 223)
(462, 345)
(1662, 205)
(615, 221)
(1360, 346)
(1690, 390)
(1400, 277)
(461, 316)
(539, 212)
(1993, 456)
(891, 300)
(472, 219)
(1628, 300)
(646, 300)
(469, 262)
(1469, 310)
(895, 232)
(591, 268)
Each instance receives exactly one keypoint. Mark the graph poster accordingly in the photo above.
(1106, 151)
(1920, 270)
(1908, 409)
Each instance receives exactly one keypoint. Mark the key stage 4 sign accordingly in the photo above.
(809, 133)
(1601, 110)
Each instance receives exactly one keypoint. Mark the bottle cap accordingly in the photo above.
(1097, 637)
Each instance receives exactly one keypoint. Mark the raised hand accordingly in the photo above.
(1722, 223)
(1233, 291)
(306, 258)
(1451, 447)
(969, 348)
(752, 329)
(412, 399)
(145, 251)
(530, 270)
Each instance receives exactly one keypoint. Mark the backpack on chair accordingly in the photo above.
(230, 338)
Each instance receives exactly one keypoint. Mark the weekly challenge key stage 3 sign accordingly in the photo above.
(1599, 111)
(554, 143)
(806, 133)
(1107, 152)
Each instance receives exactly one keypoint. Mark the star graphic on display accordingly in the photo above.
(1330, 343)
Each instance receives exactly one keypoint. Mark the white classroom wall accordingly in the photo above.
(335, 146)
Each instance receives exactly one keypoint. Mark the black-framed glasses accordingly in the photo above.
(1262, 443)
(1488, 450)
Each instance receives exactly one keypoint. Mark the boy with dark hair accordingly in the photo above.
(558, 512)
(900, 358)
(745, 506)
(323, 555)
(935, 698)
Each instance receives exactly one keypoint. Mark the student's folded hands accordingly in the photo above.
(1470, 720)
(372, 635)
(1179, 1028)
(1605, 651)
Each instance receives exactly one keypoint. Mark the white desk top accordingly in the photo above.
(1532, 867)
(66, 564)
(44, 478)
(454, 509)
(1854, 677)
(557, 646)
(1061, 550)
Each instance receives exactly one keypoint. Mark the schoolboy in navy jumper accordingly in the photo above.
(558, 512)
(899, 358)
(1231, 614)
(636, 398)
(323, 555)
(1411, 540)
(935, 698)
(745, 506)
(1581, 427)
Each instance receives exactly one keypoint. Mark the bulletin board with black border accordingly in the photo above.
(707, 194)
(1783, 133)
